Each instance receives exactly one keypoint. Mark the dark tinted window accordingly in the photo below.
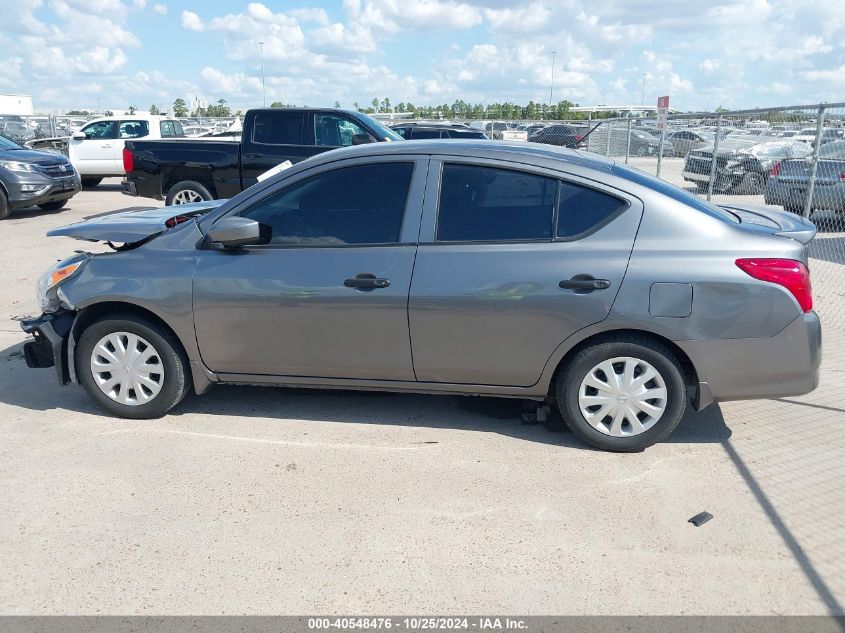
(337, 131)
(464, 134)
(489, 204)
(582, 208)
(418, 134)
(101, 129)
(278, 128)
(352, 205)
(170, 129)
(133, 129)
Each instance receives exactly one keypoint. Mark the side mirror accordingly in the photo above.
(235, 231)
(79, 136)
(361, 139)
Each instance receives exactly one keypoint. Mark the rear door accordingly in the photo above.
(127, 130)
(273, 138)
(496, 243)
(328, 296)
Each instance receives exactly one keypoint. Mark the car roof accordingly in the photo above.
(512, 151)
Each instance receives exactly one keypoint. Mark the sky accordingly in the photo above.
(84, 54)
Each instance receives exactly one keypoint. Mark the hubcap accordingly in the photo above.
(127, 368)
(622, 397)
(186, 196)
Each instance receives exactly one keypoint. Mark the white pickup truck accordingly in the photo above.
(96, 150)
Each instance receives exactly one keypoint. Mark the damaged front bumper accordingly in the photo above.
(49, 347)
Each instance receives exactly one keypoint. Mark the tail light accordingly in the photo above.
(789, 273)
(842, 176)
(128, 161)
(178, 219)
(775, 170)
(578, 138)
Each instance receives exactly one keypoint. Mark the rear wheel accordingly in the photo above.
(54, 206)
(132, 367)
(91, 182)
(753, 183)
(5, 209)
(186, 192)
(622, 395)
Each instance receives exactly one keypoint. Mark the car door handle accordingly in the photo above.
(366, 281)
(584, 283)
(253, 155)
(106, 145)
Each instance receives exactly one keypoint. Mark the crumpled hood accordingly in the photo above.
(135, 224)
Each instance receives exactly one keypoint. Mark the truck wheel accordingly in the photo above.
(753, 183)
(622, 395)
(131, 367)
(5, 209)
(186, 192)
(88, 183)
(54, 206)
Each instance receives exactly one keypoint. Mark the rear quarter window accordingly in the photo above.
(581, 209)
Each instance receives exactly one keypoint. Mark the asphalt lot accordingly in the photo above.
(262, 500)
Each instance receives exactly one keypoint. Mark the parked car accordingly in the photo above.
(789, 180)
(741, 169)
(29, 178)
(685, 140)
(96, 150)
(16, 131)
(559, 134)
(643, 143)
(410, 131)
(192, 170)
(828, 135)
(494, 269)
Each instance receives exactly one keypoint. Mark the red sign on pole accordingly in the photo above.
(662, 111)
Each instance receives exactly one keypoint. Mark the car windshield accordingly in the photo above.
(833, 150)
(731, 144)
(6, 144)
(382, 132)
(676, 193)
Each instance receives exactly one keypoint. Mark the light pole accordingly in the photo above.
(552, 86)
(642, 103)
(263, 89)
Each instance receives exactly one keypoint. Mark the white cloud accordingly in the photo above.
(161, 9)
(191, 21)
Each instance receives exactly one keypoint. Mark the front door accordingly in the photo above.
(510, 264)
(327, 296)
(94, 155)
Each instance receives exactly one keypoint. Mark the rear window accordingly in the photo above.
(279, 128)
(486, 204)
(671, 191)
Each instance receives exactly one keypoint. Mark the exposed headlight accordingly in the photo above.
(48, 292)
(13, 165)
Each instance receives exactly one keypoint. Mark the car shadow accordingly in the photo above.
(38, 390)
(34, 212)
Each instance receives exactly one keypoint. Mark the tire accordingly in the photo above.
(54, 206)
(89, 183)
(641, 354)
(5, 209)
(172, 382)
(641, 151)
(753, 184)
(187, 191)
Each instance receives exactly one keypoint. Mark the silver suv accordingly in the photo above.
(486, 268)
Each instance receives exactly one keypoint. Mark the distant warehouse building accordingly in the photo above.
(15, 104)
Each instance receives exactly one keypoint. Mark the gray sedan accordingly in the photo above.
(789, 181)
(478, 268)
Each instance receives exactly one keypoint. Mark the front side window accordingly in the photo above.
(581, 209)
(101, 129)
(279, 128)
(336, 131)
(490, 204)
(364, 204)
(133, 129)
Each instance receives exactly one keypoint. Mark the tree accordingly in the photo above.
(385, 105)
(154, 109)
(337, 104)
(277, 104)
(375, 103)
(180, 108)
(356, 106)
(108, 113)
(132, 109)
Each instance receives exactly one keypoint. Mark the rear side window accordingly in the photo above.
(364, 204)
(133, 129)
(168, 129)
(278, 128)
(418, 134)
(581, 209)
(489, 204)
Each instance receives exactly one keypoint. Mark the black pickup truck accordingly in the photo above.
(190, 170)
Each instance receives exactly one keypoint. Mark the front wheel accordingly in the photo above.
(131, 367)
(5, 209)
(622, 395)
(89, 183)
(186, 192)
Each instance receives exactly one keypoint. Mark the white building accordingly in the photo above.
(15, 104)
(197, 103)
